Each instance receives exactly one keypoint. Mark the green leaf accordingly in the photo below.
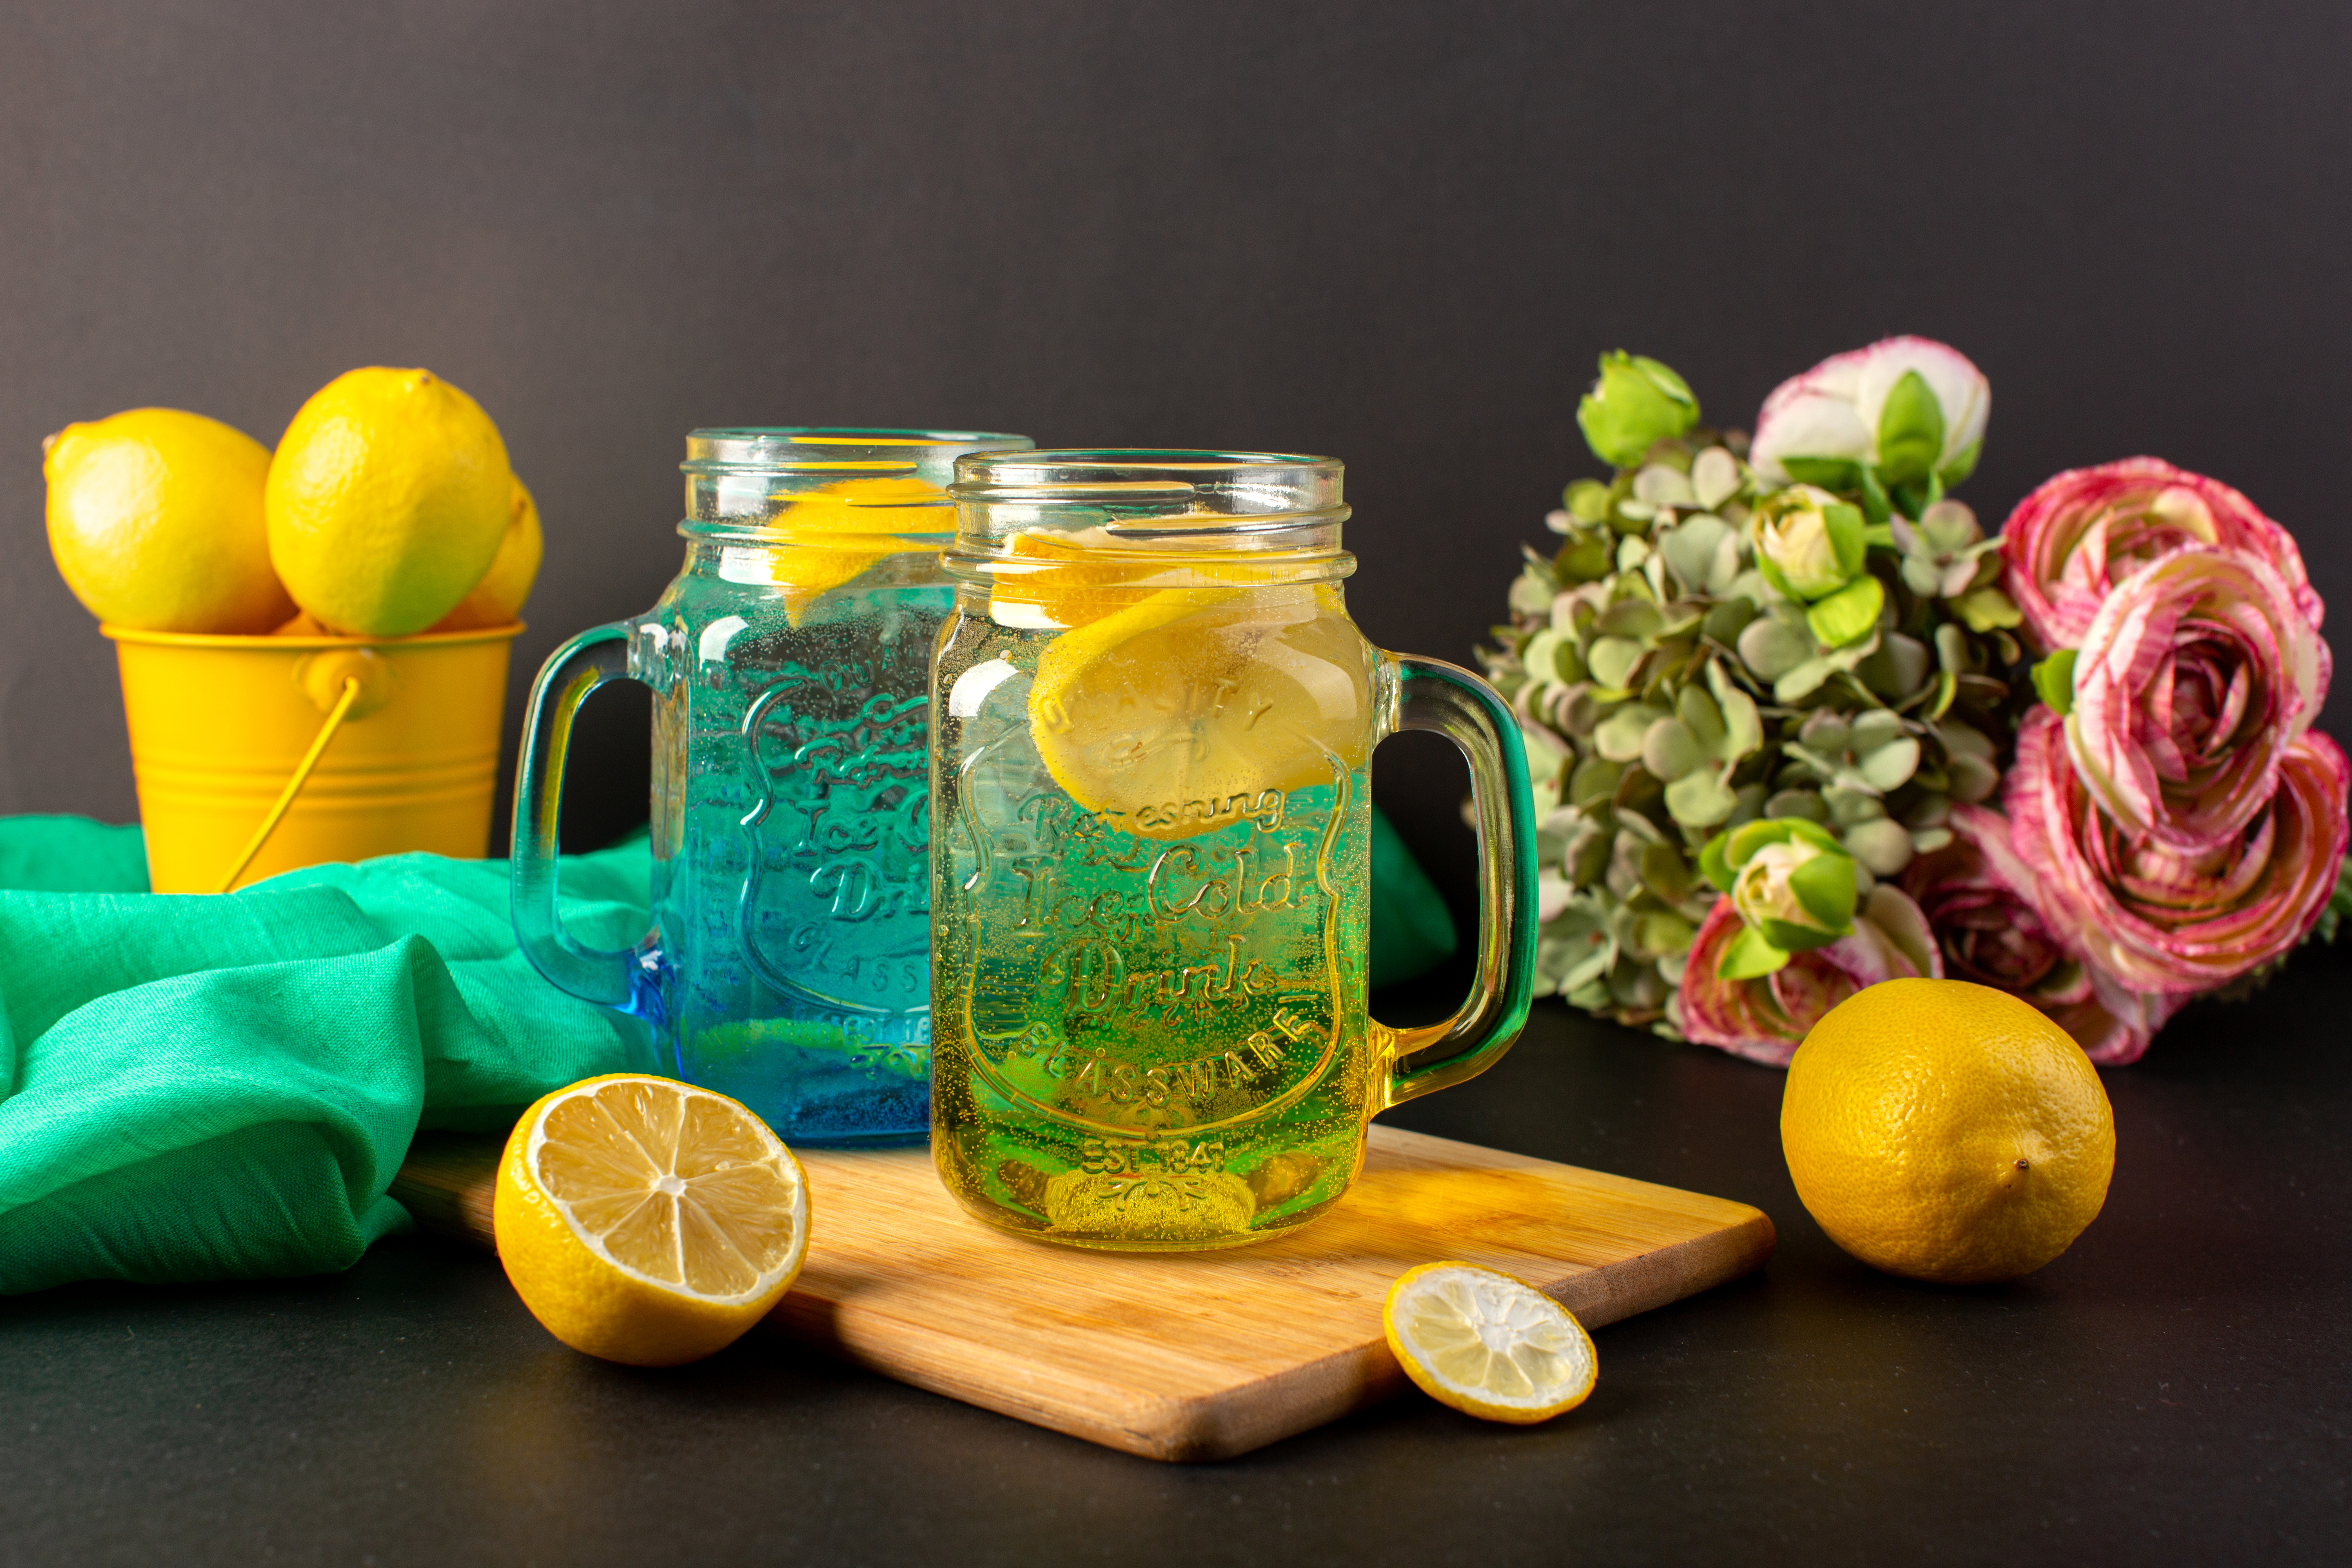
(1595, 779)
(1986, 609)
(1712, 864)
(1830, 473)
(1872, 728)
(1804, 830)
(1890, 767)
(1849, 615)
(1637, 618)
(1743, 728)
(1585, 557)
(1910, 430)
(1726, 618)
(1618, 736)
(1803, 681)
(1845, 530)
(1611, 660)
(1587, 501)
(1698, 710)
(1699, 799)
(1948, 687)
(1670, 750)
(1665, 872)
(1691, 549)
(1773, 645)
(2053, 680)
(1748, 956)
(1963, 464)
(1875, 504)
(1796, 938)
(1749, 836)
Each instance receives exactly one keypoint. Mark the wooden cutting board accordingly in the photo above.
(1186, 1355)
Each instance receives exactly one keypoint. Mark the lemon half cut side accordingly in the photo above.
(1487, 1345)
(648, 1222)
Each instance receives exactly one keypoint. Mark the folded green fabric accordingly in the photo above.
(196, 1087)
(210, 1088)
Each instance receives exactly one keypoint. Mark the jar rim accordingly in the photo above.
(1155, 494)
(828, 449)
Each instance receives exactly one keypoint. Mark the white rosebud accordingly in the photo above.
(1838, 411)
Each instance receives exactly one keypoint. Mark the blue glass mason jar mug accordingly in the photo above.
(788, 964)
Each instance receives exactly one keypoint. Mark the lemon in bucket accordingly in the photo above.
(387, 500)
(155, 520)
(391, 504)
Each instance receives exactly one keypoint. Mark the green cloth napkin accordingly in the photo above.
(203, 1087)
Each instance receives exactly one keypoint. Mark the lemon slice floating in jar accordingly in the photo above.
(1060, 583)
(1487, 1345)
(1174, 713)
(840, 531)
(646, 1222)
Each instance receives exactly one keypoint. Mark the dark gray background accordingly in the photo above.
(1396, 234)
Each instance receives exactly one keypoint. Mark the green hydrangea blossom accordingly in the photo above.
(1803, 672)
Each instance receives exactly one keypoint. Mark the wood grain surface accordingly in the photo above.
(1186, 1355)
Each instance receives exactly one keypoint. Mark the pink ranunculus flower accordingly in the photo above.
(1833, 409)
(2070, 543)
(1765, 1020)
(2193, 678)
(1983, 903)
(2162, 921)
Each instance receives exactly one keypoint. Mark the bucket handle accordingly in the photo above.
(353, 687)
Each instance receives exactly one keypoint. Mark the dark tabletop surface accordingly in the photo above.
(2173, 1389)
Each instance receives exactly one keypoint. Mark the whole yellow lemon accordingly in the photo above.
(155, 520)
(387, 500)
(1947, 1131)
(497, 599)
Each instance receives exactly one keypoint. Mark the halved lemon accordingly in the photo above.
(1485, 1343)
(1169, 712)
(647, 1222)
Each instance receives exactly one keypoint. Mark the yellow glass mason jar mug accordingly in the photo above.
(1152, 731)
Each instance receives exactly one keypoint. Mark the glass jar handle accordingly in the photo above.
(1435, 695)
(599, 654)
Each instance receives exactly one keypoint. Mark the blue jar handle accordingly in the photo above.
(597, 656)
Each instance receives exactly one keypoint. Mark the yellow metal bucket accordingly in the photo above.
(256, 755)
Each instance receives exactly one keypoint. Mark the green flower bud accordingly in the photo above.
(1635, 404)
(1808, 543)
(1798, 894)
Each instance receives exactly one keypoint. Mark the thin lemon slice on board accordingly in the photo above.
(647, 1222)
(1175, 712)
(1488, 1344)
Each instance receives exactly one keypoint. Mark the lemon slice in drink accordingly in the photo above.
(1071, 586)
(646, 1222)
(1176, 713)
(1487, 1345)
(841, 531)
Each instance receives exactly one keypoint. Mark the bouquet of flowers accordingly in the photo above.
(1798, 725)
